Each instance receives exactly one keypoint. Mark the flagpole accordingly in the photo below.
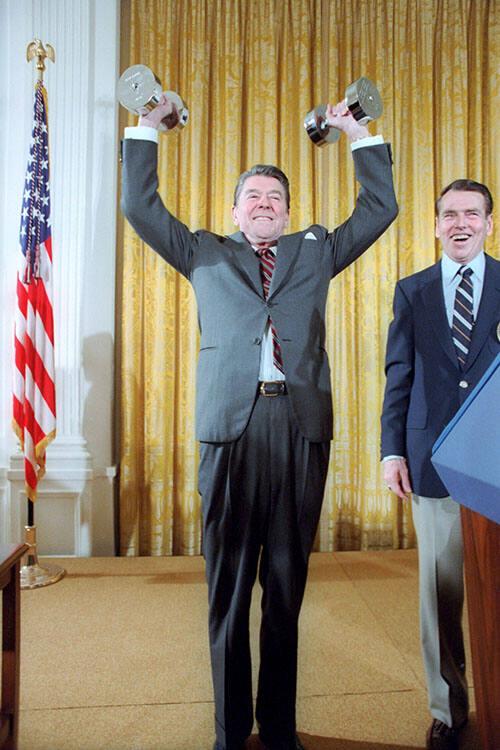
(33, 575)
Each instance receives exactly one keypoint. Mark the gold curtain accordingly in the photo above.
(249, 72)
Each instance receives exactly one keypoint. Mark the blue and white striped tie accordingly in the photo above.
(463, 315)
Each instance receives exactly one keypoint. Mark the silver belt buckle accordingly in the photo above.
(263, 392)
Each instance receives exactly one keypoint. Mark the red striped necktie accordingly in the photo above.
(267, 262)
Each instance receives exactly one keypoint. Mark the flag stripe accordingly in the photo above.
(36, 432)
(41, 379)
(20, 361)
(18, 414)
(48, 248)
(22, 299)
(41, 305)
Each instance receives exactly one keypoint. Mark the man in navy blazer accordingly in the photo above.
(263, 412)
(441, 340)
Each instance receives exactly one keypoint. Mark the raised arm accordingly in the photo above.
(140, 200)
(376, 206)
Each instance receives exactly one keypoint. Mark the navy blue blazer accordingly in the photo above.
(425, 386)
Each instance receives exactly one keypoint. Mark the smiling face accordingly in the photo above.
(261, 211)
(462, 224)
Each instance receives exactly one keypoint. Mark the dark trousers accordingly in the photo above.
(261, 500)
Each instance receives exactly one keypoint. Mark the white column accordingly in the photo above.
(74, 510)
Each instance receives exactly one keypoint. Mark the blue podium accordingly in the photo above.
(467, 453)
(467, 458)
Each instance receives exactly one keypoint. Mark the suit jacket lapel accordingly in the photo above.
(488, 309)
(287, 250)
(247, 260)
(433, 300)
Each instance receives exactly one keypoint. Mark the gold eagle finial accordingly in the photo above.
(36, 49)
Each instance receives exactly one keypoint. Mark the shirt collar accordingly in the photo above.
(449, 267)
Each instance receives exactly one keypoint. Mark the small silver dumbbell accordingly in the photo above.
(139, 90)
(363, 100)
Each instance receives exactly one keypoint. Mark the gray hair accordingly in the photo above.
(268, 170)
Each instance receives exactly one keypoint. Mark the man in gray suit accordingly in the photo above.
(264, 411)
(441, 341)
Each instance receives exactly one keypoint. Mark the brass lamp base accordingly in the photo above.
(34, 575)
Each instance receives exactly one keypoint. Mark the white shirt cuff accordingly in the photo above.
(390, 458)
(370, 140)
(142, 133)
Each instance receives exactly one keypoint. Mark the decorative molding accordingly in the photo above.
(78, 536)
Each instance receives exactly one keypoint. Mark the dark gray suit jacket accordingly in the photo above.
(232, 311)
(425, 386)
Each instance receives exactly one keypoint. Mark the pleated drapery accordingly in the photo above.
(249, 72)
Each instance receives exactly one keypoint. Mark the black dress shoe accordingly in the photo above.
(441, 737)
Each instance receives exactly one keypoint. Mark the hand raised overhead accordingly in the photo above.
(165, 113)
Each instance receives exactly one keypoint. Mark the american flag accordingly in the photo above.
(34, 398)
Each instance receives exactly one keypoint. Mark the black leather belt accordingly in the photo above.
(272, 387)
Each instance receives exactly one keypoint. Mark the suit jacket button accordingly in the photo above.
(463, 384)
(257, 340)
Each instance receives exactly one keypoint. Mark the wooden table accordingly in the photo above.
(10, 565)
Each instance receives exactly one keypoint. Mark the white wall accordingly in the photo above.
(74, 512)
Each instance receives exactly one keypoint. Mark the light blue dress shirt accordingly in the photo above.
(451, 279)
